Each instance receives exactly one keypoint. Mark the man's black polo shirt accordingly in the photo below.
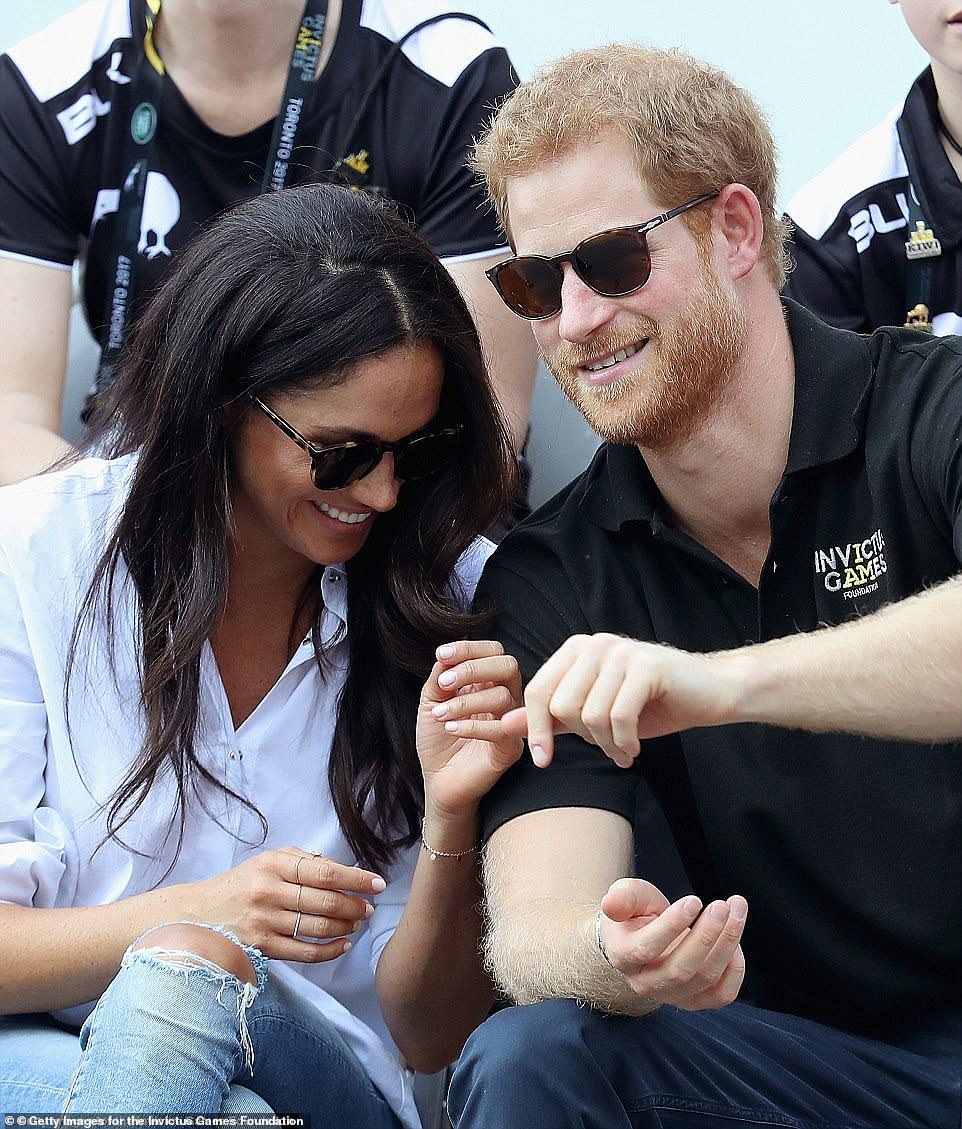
(848, 849)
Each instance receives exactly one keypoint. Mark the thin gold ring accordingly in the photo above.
(297, 907)
(297, 867)
(297, 924)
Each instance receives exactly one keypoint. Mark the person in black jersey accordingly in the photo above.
(387, 104)
(878, 233)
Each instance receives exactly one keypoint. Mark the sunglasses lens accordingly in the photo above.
(614, 263)
(530, 286)
(426, 455)
(340, 466)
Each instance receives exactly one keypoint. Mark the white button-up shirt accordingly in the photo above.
(55, 781)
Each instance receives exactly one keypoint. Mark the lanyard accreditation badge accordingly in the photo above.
(146, 95)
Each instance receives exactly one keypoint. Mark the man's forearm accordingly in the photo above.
(548, 950)
(894, 674)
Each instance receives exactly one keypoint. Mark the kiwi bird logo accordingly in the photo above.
(161, 212)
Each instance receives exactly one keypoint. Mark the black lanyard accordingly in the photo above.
(921, 248)
(146, 94)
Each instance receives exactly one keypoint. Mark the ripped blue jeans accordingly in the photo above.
(170, 1037)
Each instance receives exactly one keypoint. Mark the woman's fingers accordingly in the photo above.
(494, 700)
(316, 870)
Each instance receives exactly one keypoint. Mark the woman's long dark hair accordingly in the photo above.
(289, 291)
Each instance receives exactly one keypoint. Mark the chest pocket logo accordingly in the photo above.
(853, 569)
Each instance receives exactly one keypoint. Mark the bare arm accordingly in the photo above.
(430, 981)
(895, 674)
(902, 673)
(509, 345)
(56, 958)
(34, 318)
(540, 942)
(547, 875)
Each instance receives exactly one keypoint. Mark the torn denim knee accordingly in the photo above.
(194, 966)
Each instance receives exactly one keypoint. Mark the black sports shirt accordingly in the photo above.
(848, 849)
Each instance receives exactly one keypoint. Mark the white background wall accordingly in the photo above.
(824, 71)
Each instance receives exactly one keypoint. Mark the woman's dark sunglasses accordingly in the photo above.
(339, 464)
(613, 263)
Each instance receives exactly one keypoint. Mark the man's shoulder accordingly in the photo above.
(899, 351)
(571, 508)
(544, 551)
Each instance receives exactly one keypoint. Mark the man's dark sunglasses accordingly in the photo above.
(613, 263)
(339, 464)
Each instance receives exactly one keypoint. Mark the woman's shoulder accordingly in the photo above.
(62, 508)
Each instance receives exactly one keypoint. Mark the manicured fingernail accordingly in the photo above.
(378, 884)
(445, 652)
(719, 911)
(348, 945)
(451, 726)
(447, 678)
(441, 710)
(739, 908)
(691, 906)
(368, 909)
(539, 756)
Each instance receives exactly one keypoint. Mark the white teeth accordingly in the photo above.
(621, 355)
(342, 515)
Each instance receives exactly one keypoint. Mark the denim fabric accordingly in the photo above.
(166, 1037)
(39, 1057)
(572, 1067)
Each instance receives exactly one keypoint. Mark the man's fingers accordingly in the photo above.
(724, 991)
(515, 722)
(698, 964)
(654, 940)
(635, 897)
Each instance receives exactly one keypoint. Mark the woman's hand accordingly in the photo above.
(289, 903)
(461, 745)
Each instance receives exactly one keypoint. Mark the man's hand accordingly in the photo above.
(678, 954)
(613, 692)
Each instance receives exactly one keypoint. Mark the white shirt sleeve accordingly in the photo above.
(33, 838)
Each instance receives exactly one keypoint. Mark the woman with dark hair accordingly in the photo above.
(213, 640)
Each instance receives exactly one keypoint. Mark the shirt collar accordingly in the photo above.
(334, 616)
(833, 370)
(931, 172)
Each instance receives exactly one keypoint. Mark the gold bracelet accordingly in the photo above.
(436, 854)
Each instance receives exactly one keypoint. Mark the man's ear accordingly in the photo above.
(738, 216)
